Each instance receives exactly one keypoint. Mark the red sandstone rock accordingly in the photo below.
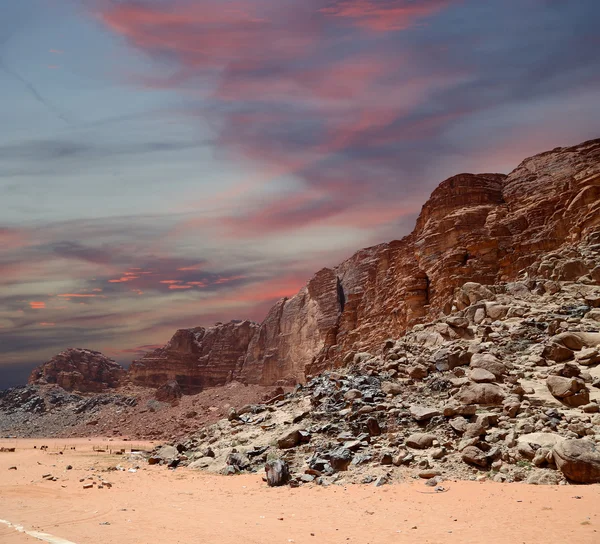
(79, 370)
(196, 358)
(474, 228)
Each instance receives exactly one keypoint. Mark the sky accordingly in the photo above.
(175, 163)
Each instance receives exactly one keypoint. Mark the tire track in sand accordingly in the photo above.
(44, 537)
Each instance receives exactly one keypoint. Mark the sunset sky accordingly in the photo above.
(173, 163)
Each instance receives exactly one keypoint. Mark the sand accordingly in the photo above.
(156, 505)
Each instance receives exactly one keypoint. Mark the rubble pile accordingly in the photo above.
(505, 387)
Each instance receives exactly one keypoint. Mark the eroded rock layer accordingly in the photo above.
(81, 370)
(480, 228)
(196, 358)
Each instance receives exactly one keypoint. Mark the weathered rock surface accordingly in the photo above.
(196, 358)
(168, 392)
(578, 460)
(474, 230)
(81, 370)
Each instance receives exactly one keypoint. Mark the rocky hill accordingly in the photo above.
(81, 370)
(196, 358)
(483, 228)
(470, 349)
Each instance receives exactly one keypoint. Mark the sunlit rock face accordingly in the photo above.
(480, 228)
(80, 370)
(196, 358)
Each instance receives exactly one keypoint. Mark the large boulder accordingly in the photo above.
(278, 473)
(486, 394)
(488, 362)
(570, 391)
(420, 441)
(578, 460)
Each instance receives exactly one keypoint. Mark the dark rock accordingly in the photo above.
(278, 473)
(168, 392)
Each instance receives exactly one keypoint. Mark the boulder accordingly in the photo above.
(420, 441)
(278, 473)
(481, 375)
(543, 477)
(340, 458)
(352, 394)
(557, 352)
(474, 456)
(166, 453)
(293, 438)
(391, 388)
(168, 392)
(488, 362)
(417, 372)
(238, 460)
(423, 413)
(496, 311)
(570, 391)
(564, 387)
(457, 322)
(578, 460)
(486, 394)
(588, 356)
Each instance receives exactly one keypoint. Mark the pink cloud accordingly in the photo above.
(385, 15)
(37, 305)
(78, 295)
(13, 239)
(127, 277)
(180, 286)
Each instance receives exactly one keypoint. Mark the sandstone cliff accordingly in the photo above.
(196, 358)
(481, 228)
(474, 228)
(79, 370)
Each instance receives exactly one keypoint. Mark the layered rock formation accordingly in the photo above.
(480, 228)
(196, 358)
(81, 370)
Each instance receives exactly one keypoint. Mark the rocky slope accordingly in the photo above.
(507, 388)
(80, 370)
(470, 348)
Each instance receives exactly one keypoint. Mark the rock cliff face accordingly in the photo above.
(196, 358)
(80, 370)
(479, 228)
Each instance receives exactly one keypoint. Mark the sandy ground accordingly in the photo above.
(155, 505)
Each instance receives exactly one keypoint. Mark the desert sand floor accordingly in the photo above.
(155, 505)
